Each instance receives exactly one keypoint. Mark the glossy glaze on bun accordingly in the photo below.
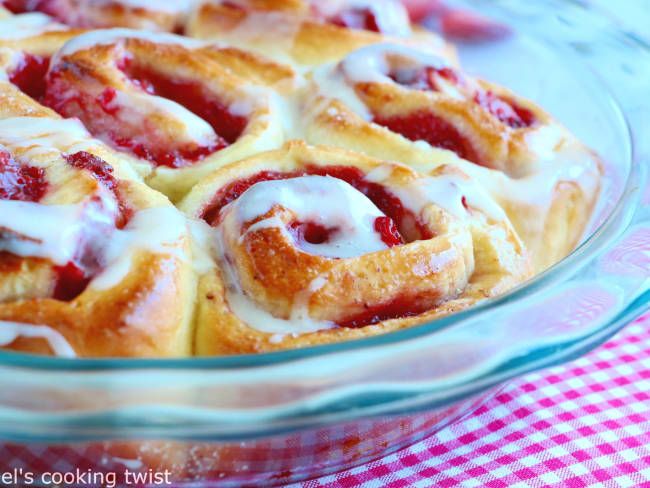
(287, 173)
(93, 263)
(314, 244)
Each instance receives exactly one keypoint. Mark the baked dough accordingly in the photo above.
(339, 179)
(309, 245)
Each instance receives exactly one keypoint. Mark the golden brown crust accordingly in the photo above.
(91, 70)
(513, 163)
(164, 17)
(298, 33)
(282, 272)
(146, 313)
(279, 82)
(43, 44)
(253, 68)
(115, 14)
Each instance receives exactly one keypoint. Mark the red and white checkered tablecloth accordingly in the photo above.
(584, 424)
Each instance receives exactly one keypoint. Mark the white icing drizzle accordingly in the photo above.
(254, 97)
(54, 232)
(369, 64)
(10, 59)
(57, 232)
(391, 16)
(27, 25)
(158, 230)
(558, 159)
(373, 63)
(102, 37)
(256, 317)
(203, 238)
(330, 83)
(323, 200)
(446, 191)
(10, 331)
(251, 313)
(43, 134)
(135, 105)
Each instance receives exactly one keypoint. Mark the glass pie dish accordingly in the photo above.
(287, 416)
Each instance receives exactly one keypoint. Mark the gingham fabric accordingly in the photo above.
(584, 424)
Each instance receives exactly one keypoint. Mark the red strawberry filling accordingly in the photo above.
(425, 126)
(426, 79)
(73, 278)
(423, 79)
(103, 173)
(402, 221)
(399, 307)
(397, 222)
(28, 183)
(507, 111)
(357, 18)
(29, 75)
(126, 128)
(20, 182)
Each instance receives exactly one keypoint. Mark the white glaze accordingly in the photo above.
(254, 315)
(446, 191)
(137, 105)
(326, 201)
(28, 25)
(370, 64)
(253, 98)
(10, 331)
(158, 230)
(54, 232)
(42, 134)
(203, 238)
(391, 16)
(329, 83)
(557, 159)
(10, 60)
(103, 37)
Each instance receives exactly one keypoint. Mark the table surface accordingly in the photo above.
(583, 424)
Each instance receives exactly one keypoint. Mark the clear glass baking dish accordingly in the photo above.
(287, 416)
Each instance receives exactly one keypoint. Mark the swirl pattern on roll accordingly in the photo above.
(393, 101)
(423, 192)
(86, 250)
(315, 244)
